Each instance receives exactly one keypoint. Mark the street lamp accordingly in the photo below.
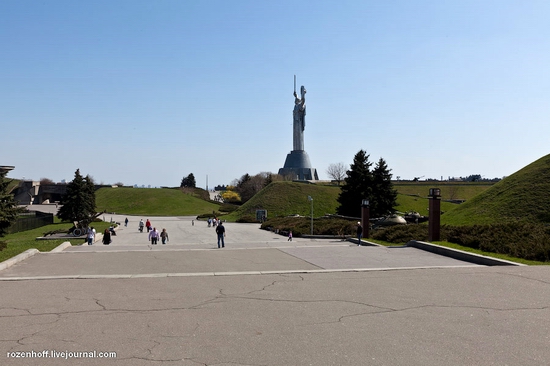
(310, 199)
(365, 213)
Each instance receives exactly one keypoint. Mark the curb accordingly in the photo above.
(364, 243)
(18, 258)
(61, 247)
(461, 255)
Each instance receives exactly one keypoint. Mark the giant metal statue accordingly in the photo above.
(299, 114)
(297, 165)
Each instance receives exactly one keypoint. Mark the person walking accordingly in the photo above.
(90, 235)
(289, 236)
(141, 225)
(220, 230)
(106, 237)
(154, 236)
(164, 236)
(359, 233)
(126, 222)
(148, 225)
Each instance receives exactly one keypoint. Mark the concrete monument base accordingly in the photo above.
(298, 166)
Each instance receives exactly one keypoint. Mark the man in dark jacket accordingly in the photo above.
(220, 230)
(359, 233)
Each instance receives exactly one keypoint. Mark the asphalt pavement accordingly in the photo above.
(263, 300)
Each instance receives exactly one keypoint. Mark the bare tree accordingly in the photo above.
(337, 172)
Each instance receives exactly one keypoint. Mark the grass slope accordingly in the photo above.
(290, 198)
(521, 196)
(413, 196)
(151, 201)
(449, 190)
(406, 203)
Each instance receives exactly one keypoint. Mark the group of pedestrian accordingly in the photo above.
(90, 236)
(212, 221)
(154, 236)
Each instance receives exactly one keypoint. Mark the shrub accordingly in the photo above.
(247, 219)
(302, 226)
(401, 233)
(209, 215)
(517, 239)
(228, 207)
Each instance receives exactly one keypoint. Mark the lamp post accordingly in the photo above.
(435, 214)
(365, 213)
(309, 198)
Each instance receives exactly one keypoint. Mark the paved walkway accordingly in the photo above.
(265, 301)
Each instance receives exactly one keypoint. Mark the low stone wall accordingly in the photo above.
(461, 255)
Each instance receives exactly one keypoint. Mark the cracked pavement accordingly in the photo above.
(443, 313)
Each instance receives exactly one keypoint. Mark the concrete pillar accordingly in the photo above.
(434, 231)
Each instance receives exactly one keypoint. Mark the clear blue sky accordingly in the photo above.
(146, 92)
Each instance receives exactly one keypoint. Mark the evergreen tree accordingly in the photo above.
(357, 186)
(268, 179)
(188, 182)
(363, 183)
(8, 206)
(90, 192)
(386, 195)
(79, 201)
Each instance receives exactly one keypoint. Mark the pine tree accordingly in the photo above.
(188, 182)
(78, 204)
(89, 185)
(357, 186)
(362, 183)
(8, 206)
(386, 195)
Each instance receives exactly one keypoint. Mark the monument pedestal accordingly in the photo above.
(298, 166)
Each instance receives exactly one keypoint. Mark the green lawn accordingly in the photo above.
(151, 202)
(19, 242)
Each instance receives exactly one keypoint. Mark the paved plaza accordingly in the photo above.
(262, 300)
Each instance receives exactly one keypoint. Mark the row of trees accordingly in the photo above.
(244, 188)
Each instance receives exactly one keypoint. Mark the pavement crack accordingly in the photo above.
(523, 277)
(100, 304)
(310, 301)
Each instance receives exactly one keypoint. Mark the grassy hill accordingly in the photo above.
(413, 196)
(523, 195)
(151, 201)
(290, 198)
